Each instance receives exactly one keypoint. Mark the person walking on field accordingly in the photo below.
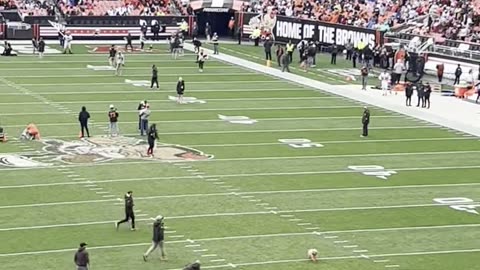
(180, 90)
(364, 74)
(113, 118)
(129, 214)
(157, 239)
(81, 258)
(154, 80)
(83, 117)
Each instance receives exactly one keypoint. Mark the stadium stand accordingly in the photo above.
(101, 8)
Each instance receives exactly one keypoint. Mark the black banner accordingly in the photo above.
(106, 27)
(283, 29)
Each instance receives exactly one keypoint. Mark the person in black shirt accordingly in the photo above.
(458, 73)
(152, 135)
(197, 44)
(426, 96)
(154, 77)
(157, 238)
(365, 121)
(111, 56)
(41, 48)
(420, 94)
(408, 94)
(180, 90)
(268, 49)
(81, 258)
(34, 45)
(334, 52)
(129, 214)
(83, 117)
(129, 38)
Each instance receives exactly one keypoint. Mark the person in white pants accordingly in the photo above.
(385, 79)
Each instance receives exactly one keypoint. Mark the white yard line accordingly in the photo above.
(270, 174)
(207, 110)
(86, 84)
(86, 76)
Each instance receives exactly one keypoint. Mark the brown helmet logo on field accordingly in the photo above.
(99, 149)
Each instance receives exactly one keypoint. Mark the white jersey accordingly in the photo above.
(67, 41)
(312, 252)
(120, 59)
(384, 77)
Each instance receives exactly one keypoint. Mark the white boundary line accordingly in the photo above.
(168, 83)
(68, 76)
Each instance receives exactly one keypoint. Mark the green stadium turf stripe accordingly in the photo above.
(202, 110)
(246, 82)
(259, 119)
(89, 76)
(39, 252)
(169, 101)
(105, 62)
(126, 68)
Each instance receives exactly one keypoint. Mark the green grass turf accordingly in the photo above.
(259, 203)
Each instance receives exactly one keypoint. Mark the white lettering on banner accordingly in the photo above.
(308, 31)
(342, 36)
(289, 30)
(326, 34)
(454, 203)
(300, 143)
(373, 170)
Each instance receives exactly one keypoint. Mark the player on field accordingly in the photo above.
(157, 239)
(34, 45)
(202, 57)
(120, 63)
(41, 47)
(154, 79)
(111, 55)
(67, 45)
(180, 90)
(152, 136)
(365, 121)
(129, 39)
(113, 121)
(385, 79)
(312, 254)
(129, 214)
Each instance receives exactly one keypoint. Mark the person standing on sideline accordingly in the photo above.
(208, 31)
(408, 94)
(83, 117)
(81, 258)
(477, 89)
(120, 62)
(354, 58)
(285, 60)
(144, 115)
(157, 238)
(334, 53)
(268, 50)
(365, 121)
(111, 55)
(440, 68)
(385, 79)
(202, 57)
(231, 27)
(426, 97)
(34, 45)
(113, 118)
(279, 52)
(129, 214)
(154, 77)
(349, 49)
(458, 73)
(364, 74)
(129, 39)
(152, 136)
(67, 45)
(420, 94)
(290, 49)
(41, 47)
(180, 90)
(397, 71)
(215, 43)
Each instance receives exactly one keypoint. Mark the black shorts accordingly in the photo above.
(179, 93)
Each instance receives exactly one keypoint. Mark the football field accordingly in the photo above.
(250, 173)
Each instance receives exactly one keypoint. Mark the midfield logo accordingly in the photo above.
(99, 149)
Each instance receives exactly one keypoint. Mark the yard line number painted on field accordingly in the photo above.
(373, 170)
(459, 204)
(138, 83)
(188, 100)
(244, 120)
(300, 143)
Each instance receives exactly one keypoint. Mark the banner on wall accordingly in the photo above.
(283, 29)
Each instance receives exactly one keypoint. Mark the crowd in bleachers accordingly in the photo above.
(450, 19)
(97, 8)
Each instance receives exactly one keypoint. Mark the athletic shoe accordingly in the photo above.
(116, 226)
(144, 258)
(133, 229)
